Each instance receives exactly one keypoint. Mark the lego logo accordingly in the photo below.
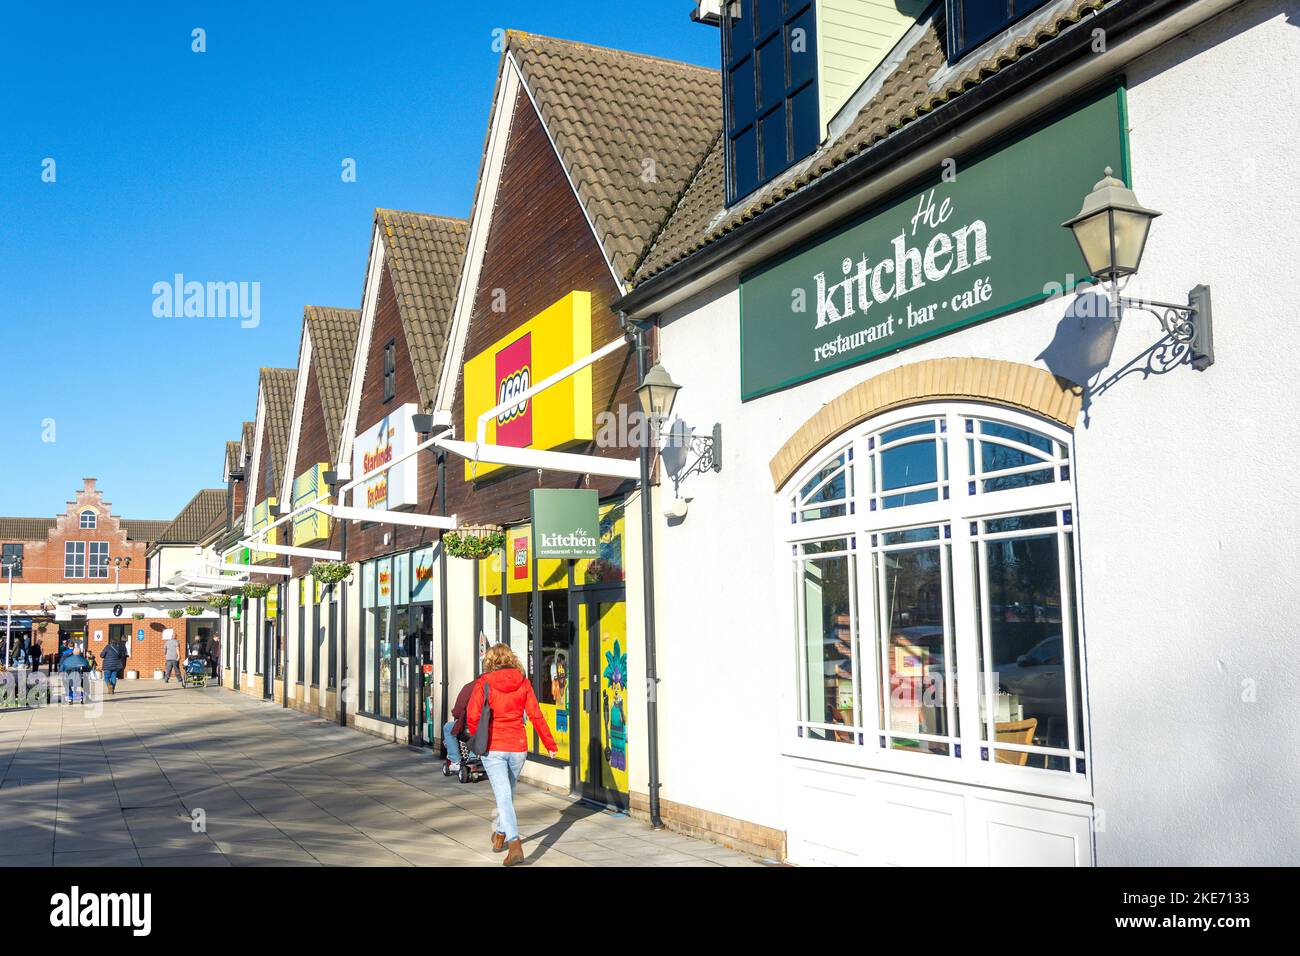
(511, 386)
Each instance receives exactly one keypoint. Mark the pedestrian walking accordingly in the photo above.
(172, 659)
(112, 663)
(73, 668)
(509, 697)
(35, 654)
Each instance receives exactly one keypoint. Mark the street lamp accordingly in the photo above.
(118, 564)
(1111, 230)
(9, 564)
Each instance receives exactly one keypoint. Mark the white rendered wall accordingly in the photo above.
(1186, 484)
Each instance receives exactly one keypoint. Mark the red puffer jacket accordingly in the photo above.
(510, 697)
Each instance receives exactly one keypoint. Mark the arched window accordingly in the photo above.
(89, 519)
(933, 549)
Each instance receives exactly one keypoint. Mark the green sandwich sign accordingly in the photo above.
(566, 523)
(981, 239)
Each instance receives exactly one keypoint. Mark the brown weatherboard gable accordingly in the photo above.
(992, 380)
(540, 249)
(367, 541)
(313, 447)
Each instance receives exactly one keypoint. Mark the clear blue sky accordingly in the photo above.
(223, 166)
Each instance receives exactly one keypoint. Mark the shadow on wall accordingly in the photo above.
(1080, 351)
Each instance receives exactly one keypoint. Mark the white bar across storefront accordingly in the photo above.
(344, 512)
(546, 460)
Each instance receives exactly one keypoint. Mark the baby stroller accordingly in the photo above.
(195, 672)
(471, 766)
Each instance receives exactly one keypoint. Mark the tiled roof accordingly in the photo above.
(216, 525)
(630, 129)
(920, 83)
(25, 529)
(250, 429)
(278, 389)
(424, 253)
(195, 518)
(233, 463)
(333, 341)
(144, 530)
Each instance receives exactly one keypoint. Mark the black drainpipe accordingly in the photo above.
(442, 598)
(282, 591)
(648, 588)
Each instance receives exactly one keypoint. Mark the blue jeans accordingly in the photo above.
(503, 768)
(451, 744)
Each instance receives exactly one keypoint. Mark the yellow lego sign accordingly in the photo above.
(562, 415)
(262, 518)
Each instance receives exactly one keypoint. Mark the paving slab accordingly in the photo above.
(275, 788)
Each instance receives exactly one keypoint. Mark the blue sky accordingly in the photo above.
(223, 166)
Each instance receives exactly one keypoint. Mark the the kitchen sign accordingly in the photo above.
(566, 523)
(982, 239)
(386, 441)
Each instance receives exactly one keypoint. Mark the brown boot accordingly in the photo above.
(515, 853)
(498, 842)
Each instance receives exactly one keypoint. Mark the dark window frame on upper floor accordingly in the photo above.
(12, 552)
(390, 370)
(784, 101)
(965, 32)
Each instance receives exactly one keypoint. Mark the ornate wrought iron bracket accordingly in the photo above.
(1189, 324)
(681, 442)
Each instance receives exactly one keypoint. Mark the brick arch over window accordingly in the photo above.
(1003, 383)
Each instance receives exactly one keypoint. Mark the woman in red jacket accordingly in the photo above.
(510, 696)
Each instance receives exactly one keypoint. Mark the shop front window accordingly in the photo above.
(826, 574)
(951, 565)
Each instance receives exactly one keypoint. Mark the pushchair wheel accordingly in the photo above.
(446, 768)
(464, 773)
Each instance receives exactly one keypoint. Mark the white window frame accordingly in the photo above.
(91, 547)
(77, 549)
(958, 511)
(94, 520)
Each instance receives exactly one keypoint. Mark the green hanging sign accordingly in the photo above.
(566, 523)
(981, 239)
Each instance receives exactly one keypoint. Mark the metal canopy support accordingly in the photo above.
(255, 568)
(546, 460)
(298, 552)
(345, 513)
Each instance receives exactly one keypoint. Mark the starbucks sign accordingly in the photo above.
(980, 239)
(566, 523)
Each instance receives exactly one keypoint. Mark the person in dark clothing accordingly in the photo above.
(112, 663)
(73, 667)
(35, 654)
(455, 727)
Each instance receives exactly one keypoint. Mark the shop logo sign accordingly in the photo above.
(563, 523)
(931, 260)
(521, 559)
(514, 375)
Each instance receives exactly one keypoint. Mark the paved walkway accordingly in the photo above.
(276, 788)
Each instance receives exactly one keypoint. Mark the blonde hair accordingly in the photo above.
(499, 657)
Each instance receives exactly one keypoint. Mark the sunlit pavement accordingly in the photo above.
(206, 777)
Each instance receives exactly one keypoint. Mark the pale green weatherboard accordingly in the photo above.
(1004, 249)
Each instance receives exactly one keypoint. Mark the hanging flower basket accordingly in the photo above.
(474, 541)
(194, 610)
(42, 626)
(256, 590)
(330, 572)
(176, 612)
(218, 601)
(137, 616)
